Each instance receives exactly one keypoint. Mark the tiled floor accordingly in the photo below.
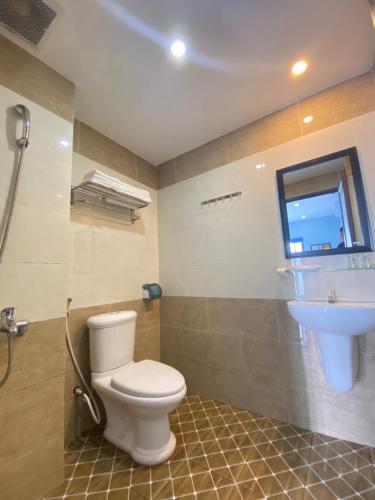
(223, 453)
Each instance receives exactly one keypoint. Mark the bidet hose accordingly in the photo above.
(10, 359)
(89, 397)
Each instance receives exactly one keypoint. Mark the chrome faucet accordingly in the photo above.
(332, 297)
(9, 325)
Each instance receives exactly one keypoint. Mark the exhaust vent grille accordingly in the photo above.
(29, 19)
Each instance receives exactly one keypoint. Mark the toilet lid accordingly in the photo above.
(148, 379)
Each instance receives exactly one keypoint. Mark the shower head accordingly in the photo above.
(25, 113)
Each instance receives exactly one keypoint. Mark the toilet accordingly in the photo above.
(137, 396)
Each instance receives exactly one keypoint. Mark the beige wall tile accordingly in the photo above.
(82, 354)
(228, 387)
(288, 327)
(101, 149)
(31, 432)
(76, 136)
(148, 311)
(264, 361)
(254, 318)
(225, 353)
(146, 173)
(32, 476)
(147, 344)
(31, 403)
(29, 77)
(77, 418)
(302, 365)
(77, 321)
(276, 128)
(334, 414)
(199, 160)
(37, 357)
(196, 346)
(266, 398)
(170, 345)
(185, 312)
(166, 173)
(198, 379)
(339, 103)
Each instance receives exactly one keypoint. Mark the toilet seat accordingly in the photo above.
(148, 379)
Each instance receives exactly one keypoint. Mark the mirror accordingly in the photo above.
(323, 207)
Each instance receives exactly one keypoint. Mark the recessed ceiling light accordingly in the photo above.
(64, 143)
(260, 165)
(299, 67)
(308, 119)
(303, 217)
(178, 48)
(296, 204)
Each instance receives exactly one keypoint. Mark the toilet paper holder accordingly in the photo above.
(152, 291)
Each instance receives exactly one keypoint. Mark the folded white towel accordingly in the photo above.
(99, 178)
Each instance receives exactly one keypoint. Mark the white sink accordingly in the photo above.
(340, 318)
(336, 325)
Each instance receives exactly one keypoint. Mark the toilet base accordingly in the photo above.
(144, 457)
(138, 425)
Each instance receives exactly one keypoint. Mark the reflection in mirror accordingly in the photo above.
(323, 207)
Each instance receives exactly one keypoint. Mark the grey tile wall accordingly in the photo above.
(247, 352)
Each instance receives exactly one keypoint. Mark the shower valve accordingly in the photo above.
(9, 325)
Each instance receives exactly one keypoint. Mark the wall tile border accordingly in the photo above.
(28, 76)
(329, 107)
(92, 144)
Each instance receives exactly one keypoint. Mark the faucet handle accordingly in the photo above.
(332, 297)
(7, 314)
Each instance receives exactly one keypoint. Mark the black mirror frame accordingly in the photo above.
(361, 201)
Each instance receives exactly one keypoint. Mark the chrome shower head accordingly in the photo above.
(23, 111)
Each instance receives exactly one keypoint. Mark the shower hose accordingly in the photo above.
(3, 241)
(87, 396)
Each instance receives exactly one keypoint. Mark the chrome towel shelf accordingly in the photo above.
(93, 195)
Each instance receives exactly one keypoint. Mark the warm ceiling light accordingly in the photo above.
(299, 67)
(178, 48)
(308, 119)
(260, 165)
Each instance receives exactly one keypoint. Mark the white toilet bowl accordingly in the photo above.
(137, 396)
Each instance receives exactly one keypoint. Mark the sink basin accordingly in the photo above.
(336, 327)
(340, 318)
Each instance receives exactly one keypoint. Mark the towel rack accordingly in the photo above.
(230, 196)
(90, 194)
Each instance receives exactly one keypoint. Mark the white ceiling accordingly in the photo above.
(239, 54)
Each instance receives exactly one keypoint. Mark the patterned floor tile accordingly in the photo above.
(222, 453)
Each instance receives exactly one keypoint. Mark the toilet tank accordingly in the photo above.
(111, 340)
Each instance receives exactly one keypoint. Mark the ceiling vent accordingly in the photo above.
(28, 19)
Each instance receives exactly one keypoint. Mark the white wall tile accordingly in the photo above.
(109, 261)
(38, 291)
(37, 235)
(34, 271)
(233, 249)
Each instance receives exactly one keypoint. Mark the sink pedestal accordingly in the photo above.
(339, 358)
(345, 322)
